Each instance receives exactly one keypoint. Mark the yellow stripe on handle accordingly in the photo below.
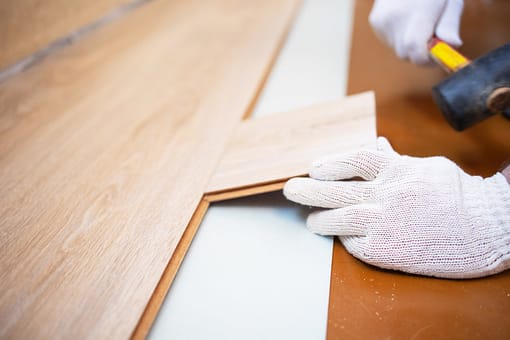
(446, 55)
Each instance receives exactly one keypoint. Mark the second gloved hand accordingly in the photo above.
(408, 25)
(419, 215)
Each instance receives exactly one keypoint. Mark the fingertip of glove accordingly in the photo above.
(316, 165)
(419, 56)
(293, 187)
(316, 225)
(318, 169)
(383, 144)
(451, 38)
(455, 42)
(326, 168)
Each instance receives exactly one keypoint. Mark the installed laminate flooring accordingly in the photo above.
(106, 148)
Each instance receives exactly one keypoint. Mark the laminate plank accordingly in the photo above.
(27, 26)
(277, 147)
(106, 148)
(298, 137)
(366, 302)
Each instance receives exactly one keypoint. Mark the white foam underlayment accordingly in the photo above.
(253, 270)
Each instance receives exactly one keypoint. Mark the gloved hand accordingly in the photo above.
(408, 25)
(419, 215)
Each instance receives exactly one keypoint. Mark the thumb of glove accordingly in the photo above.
(384, 145)
(448, 27)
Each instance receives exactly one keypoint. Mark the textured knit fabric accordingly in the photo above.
(408, 25)
(419, 215)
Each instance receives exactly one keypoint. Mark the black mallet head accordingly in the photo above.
(477, 91)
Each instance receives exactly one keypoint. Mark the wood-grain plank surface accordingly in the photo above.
(280, 146)
(27, 26)
(263, 153)
(106, 148)
(366, 302)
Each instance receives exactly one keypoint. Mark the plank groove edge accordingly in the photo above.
(258, 188)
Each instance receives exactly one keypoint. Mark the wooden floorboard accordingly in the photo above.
(106, 148)
(27, 26)
(297, 138)
(277, 147)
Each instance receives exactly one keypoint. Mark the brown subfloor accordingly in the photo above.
(366, 302)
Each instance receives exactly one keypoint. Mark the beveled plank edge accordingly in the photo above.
(158, 296)
(151, 311)
(160, 292)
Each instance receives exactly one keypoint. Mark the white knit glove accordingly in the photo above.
(419, 215)
(407, 25)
